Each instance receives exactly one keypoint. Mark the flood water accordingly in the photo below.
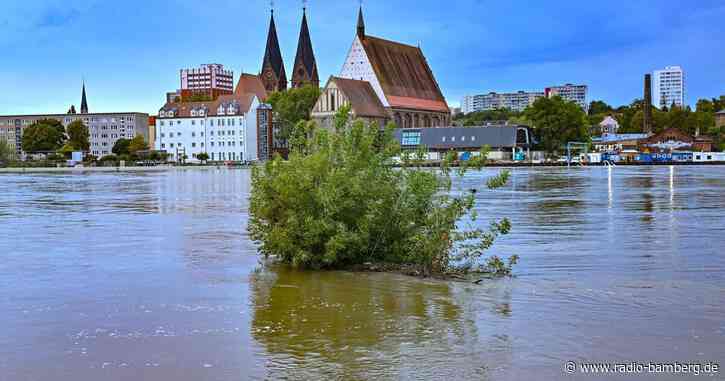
(153, 277)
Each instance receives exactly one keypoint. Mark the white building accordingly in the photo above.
(609, 125)
(225, 129)
(571, 93)
(517, 101)
(668, 87)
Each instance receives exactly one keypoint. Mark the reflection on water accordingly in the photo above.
(366, 326)
(153, 276)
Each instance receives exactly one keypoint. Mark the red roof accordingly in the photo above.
(251, 84)
(404, 75)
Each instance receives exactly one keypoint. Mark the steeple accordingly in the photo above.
(84, 103)
(273, 75)
(360, 24)
(305, 67)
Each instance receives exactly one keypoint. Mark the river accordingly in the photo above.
(152, 276)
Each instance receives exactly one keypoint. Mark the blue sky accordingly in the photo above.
(130, 52)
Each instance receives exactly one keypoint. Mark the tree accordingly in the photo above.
(43, 135)
(6, 152)
(138, 143)
(78, 136)
(338, 201)
(599, 107)
(121, 147)
(203, 157)
(557, 122)
(480, 118)
(292, 106)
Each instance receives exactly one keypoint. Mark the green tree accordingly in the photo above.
(556, 122)
(599, 107)
(480, 118)
(6, 152)
(121, 147)
(338, 201)
(78, 136)
(43, 135)
(138, 143)
(292, 106)
(203, 157)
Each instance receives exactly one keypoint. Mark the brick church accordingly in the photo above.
(383, 81)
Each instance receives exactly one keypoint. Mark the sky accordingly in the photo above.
(130, 52)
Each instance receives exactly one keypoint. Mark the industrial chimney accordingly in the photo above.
(647, 107)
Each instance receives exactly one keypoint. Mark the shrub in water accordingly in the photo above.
(340, 201)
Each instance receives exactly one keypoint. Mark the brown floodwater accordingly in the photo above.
(136, 276)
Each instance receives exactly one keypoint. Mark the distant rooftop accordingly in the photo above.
(610, 138)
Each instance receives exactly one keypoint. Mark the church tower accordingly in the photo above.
(84, 103)
(273, 75)
(305, 67)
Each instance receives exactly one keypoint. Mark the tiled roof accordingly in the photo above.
(272, 54)
(251, 84)
(404, 75)
(184, 109)
(362, 97)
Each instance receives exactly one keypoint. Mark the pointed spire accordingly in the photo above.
(84, 103)
(305, 67)
(360, 23)
(273, 74)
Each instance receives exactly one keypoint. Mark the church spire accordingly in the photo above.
(305, 67)
(273, 75)
(84, 103)
(360, 23)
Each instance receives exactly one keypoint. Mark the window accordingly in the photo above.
(193, 144)
(163, 145)
(162, 135)
(463, 138)
(453, 138)
(411, 138)
(193, 134)
(444, 139)
(171, 145)
(193, 122)
(212, 144)
(473, 138)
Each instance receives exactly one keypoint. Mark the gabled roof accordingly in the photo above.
(404, 75)
(362, 97)
(251, 84)
(183, 109)
(305, 54)
(272, 54)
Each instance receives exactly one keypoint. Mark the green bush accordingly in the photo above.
(339, 201)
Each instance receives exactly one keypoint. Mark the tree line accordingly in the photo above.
(555, 121)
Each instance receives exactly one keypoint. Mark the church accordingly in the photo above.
(383, 81)
(304, 70)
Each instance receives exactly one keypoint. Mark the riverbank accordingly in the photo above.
(159, 168)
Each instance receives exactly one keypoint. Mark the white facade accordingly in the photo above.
(609, 125)
(224, 136)
(668, 87)
(571, 93)
(357, 66)
(517, 101)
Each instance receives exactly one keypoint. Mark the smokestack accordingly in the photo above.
(647, 128)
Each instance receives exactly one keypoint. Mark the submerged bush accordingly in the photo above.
(340, 201)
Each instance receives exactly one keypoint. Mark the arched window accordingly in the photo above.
(332, 101)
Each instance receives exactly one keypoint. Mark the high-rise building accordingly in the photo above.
(209, 80)
(517, 101)
(669, 87)
(571, 93)
(305, 67)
